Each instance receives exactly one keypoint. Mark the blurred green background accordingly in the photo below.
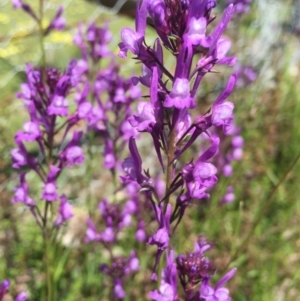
(268, 111)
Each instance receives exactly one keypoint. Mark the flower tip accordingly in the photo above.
(154, 277)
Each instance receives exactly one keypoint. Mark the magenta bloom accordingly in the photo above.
(31, 132)
(58, 106)
(49, 191)
(23, 296)
(168, 288)
(21, 193)
(219, 293)
(4, 287)
(65, 211)
(180, 96)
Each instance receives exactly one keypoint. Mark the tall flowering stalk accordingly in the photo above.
(181, 26)
(105, 102)
(50, 131)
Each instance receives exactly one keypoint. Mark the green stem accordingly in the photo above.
(263, 211)
(47, 239)
(41, 33)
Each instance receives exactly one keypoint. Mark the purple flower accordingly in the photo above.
(31, 132)
(227, 170)
(229, 196)
(161, 237)
(49, 191)
(20, 156)
(58, 106)
(4, 287)
(65, 211)
(180, 97)
(196, 30)
(21, 193)
(91, 232)
(202, 175)
(168, 288)
(109, 156)
(237, 141)
(58, 22)
(84, 109)
(133, 165)
(237, 154)
(157, 11)
(222, 113)
(23, 296)
(219, 293)
(132, 40)
(242, 6)
(145, 118)
(119, 292)
(73, 154)
(140, 234)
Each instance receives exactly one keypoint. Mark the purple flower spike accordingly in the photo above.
(65, 211)
(4, 287)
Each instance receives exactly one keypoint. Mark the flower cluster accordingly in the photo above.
(120, 268)
(104, 97)
(182, 28)
(45, 96)
(45, 99)
(192, 269)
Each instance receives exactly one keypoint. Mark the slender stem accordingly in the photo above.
(170, 156)
(263, 211)
(41, 34)
(48, 260)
